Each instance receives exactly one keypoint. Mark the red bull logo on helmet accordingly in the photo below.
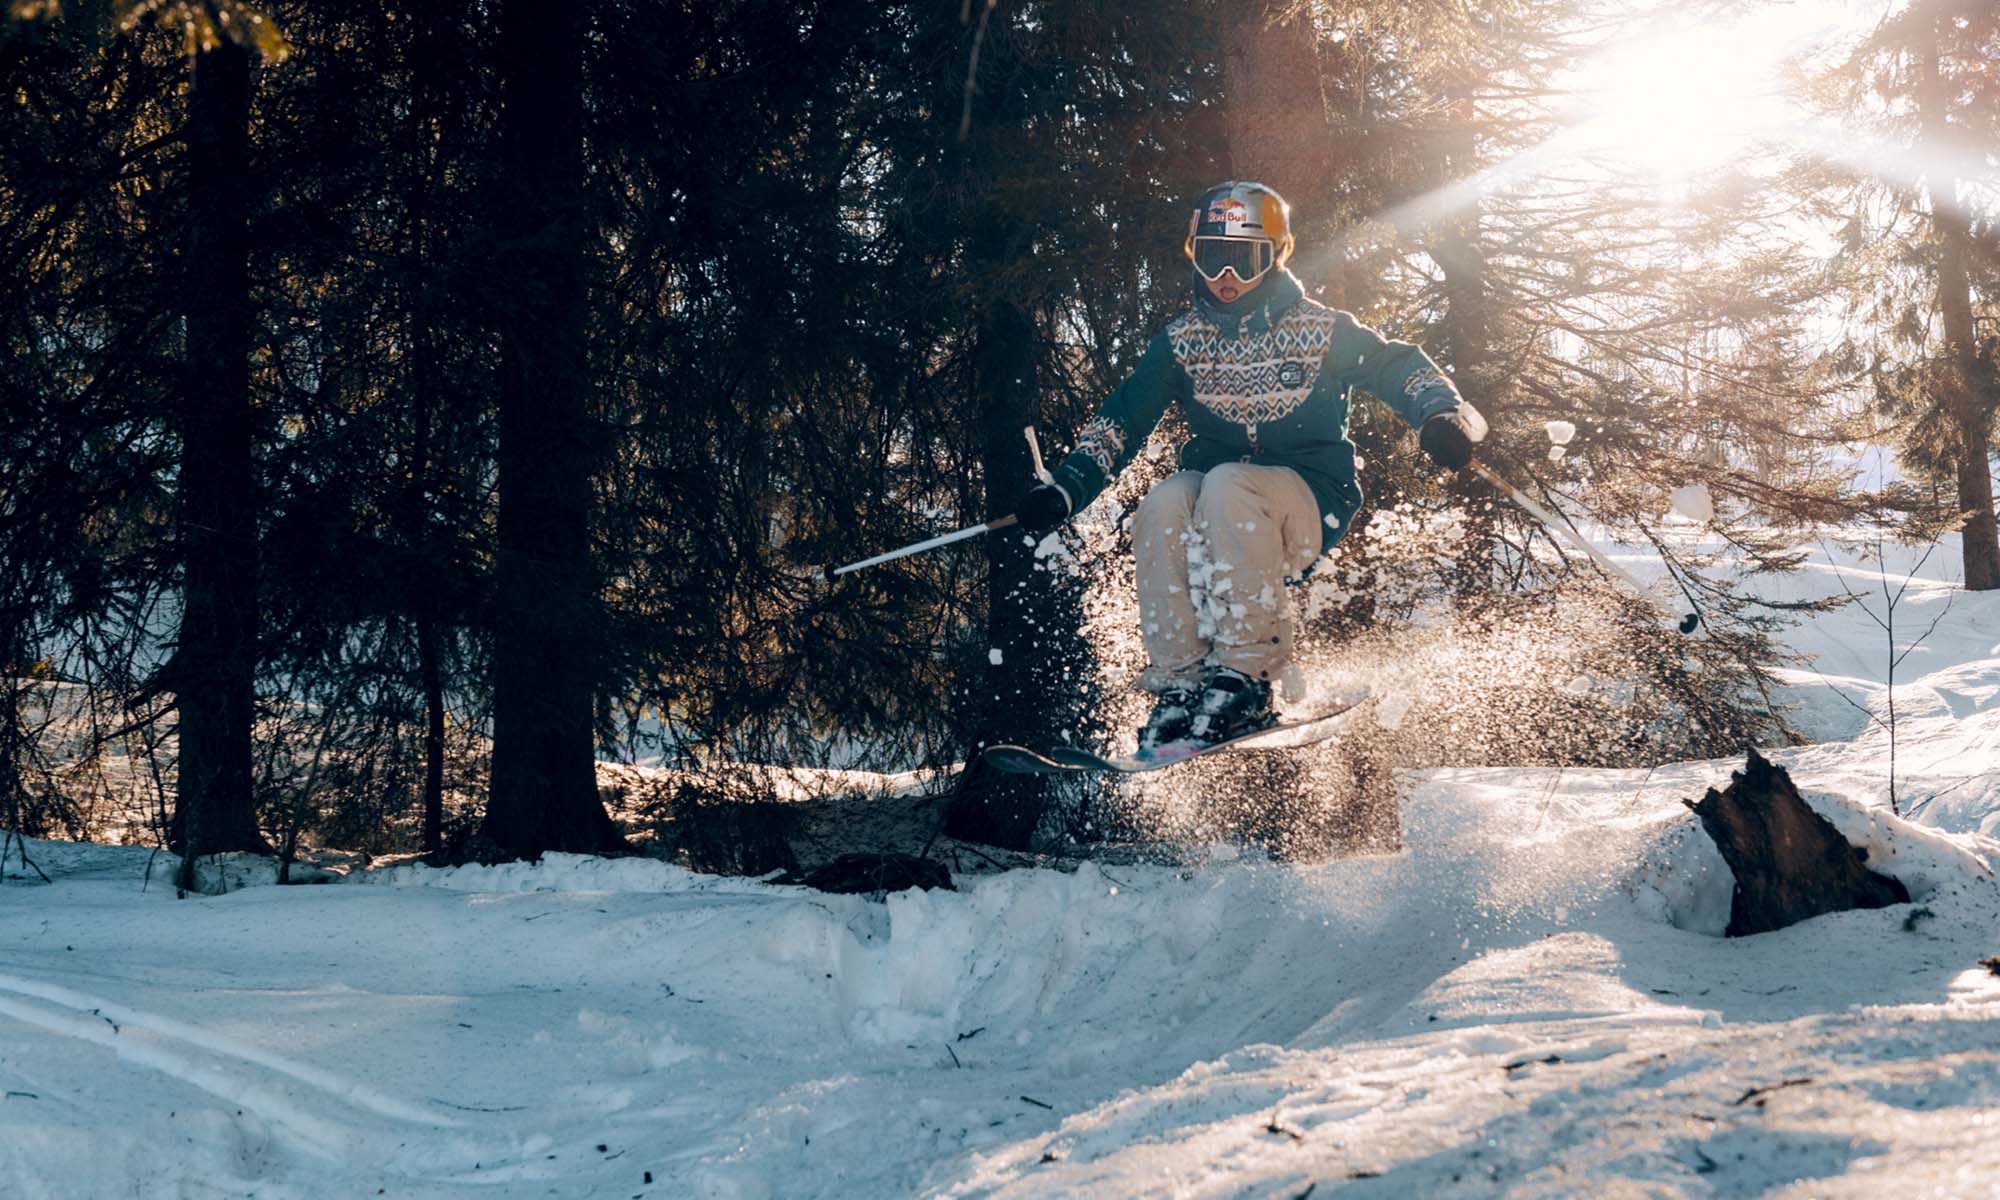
(1228, 210)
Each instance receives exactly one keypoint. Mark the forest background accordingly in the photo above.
(406, 410)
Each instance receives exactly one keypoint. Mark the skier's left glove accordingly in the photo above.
(1448, 439)
(1042, 509)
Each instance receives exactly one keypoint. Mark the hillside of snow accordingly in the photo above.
(1530, 1000)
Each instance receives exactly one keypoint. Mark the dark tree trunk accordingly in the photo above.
(546, 624)
(1790, 863)
(1276, 108)
(214, 665)
(432, 674)
(1027, 695)
(418, 512)
(13, 692)
(1968, 406)
(1013, 701)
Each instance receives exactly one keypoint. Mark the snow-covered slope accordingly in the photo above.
(1529, 1001)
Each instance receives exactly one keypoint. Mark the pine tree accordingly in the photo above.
(215, 658)
(547, 624)
(1963, 387)
(1911, 250)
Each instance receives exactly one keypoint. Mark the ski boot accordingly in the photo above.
(1231, 705)
(1173, 709)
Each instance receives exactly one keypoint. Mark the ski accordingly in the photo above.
(1302, 731)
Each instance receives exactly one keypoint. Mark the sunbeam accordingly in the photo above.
(1680, 99)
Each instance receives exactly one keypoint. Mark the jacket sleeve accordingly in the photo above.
(1123, 422)
(1398, 374)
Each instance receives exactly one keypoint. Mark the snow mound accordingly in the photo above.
(1021, 952)
(1682, 879)
(557, 872)
(1923, 859)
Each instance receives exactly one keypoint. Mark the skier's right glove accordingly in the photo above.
(1042, 509)
(1446, 439)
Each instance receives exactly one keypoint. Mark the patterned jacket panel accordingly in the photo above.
(1260, 378)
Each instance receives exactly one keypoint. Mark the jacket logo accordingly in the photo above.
(1291, 374)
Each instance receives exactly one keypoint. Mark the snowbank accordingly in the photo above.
(1528, 1001)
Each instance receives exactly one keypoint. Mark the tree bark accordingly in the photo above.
(1276, 110)
(1278, 126)
(1026, 695)
(14, 684)
(433, 685)
(1013, 701)
(1790, 863)
(1969, 406)
(214, 664)
(419, 517)
(546, 623)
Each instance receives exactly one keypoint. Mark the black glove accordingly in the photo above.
(1042, 509)
(1444, 438)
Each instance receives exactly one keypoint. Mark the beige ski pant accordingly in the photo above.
(1213, 551)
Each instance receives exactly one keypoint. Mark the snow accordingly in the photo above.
(1692, 502)
(1529, 1000)
(1560, 432)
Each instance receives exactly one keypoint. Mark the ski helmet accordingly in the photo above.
(1241, 227)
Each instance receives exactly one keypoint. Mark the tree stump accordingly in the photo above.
(1790, 863)
(864, 874)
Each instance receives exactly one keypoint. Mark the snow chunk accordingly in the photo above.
(996, 656)
(1560, 432)
(1293, 687)
(639, 1049)
(1693, 502)
(1555, 454)
(1394, 707)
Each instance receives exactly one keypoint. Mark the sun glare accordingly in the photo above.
(1676, 100)
(1684, 100)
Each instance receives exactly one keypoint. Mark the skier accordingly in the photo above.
(1267, 481)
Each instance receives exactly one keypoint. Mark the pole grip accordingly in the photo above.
(1035, 452)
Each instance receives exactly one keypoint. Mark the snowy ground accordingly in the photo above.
(1529, 1001)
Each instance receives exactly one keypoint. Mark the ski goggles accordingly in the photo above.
(1249, 258)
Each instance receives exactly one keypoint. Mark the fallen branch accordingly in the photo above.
(1769, 1088)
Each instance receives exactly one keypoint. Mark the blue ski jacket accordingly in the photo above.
(1266, 380)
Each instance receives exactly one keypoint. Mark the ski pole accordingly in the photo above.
(1008, 521)
(1687, 623)
(919, 547)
